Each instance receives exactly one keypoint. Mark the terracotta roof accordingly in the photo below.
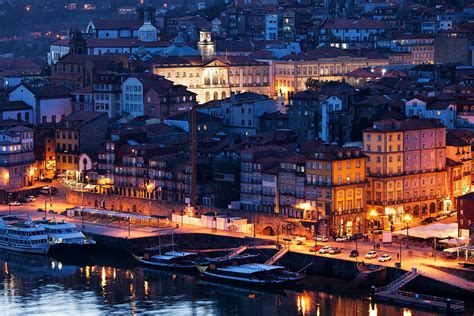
(353, 24)
(392, 125)
(14, 106)
(86, 90)
(81, 117)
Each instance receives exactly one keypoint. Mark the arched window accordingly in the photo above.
(223, 95)
(208, 96)
(216, 95)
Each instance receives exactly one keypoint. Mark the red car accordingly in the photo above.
(315, 248)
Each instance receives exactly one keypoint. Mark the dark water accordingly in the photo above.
(101, 285)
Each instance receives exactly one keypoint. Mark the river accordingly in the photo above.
(105, 285)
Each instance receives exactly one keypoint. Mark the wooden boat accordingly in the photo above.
(172, 260)
(254, 274)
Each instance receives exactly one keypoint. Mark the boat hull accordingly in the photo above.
(75, 248)
(168, 267)
(251, 282)
(32, 250)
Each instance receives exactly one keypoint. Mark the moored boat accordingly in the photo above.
(255, 274)
(23, 236)
(172, 260)
(64, 233)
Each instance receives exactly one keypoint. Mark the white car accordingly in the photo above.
(371, 255)
(325, 249)
(322, 238)
(385, 257)
(334, 250)
(341, 239)
(30, 198)
(14, 203)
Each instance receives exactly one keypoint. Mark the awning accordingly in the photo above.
(455, 241)
(106, 186)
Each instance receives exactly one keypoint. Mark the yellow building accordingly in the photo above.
(289, 74)
(406, 166)
(336, 185)
(460, 173)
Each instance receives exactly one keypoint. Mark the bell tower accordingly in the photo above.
(206, 47)
(77, 42)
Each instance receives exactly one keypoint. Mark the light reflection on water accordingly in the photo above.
(35, 285)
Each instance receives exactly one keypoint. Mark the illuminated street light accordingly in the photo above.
(407, 218)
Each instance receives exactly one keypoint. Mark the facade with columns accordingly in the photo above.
(214, 79)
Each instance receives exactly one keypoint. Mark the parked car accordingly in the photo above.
(52, 212)
(40, 210)
(47, 180)
(300, 240)
(334, 250)
(385, 257)
(31, 198)
(440, 217)
(376, 231)
(322, 238)
(14, 203)
(354, 253)
(427, 220)
(357, 236)
(325, 249)
(371, 255)
(46, 190)
(315, 248)
(453, 213)
(341, 239)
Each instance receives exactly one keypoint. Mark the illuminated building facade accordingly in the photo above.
(291, 73)
(406, 167)
(215, 78)
(77, 133)
(16, 158)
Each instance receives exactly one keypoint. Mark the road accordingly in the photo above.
(411, 257)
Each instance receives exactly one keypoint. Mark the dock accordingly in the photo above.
(392, 293)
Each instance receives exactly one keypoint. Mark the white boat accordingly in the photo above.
(253, 274)
(23, 236)
(61, 232)
(174, 260)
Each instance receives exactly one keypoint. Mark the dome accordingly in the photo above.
(147, 32)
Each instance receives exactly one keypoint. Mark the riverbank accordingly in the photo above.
(327, 266)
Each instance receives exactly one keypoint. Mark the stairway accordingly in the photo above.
(277, 256)
(401, 281)
(237, 251)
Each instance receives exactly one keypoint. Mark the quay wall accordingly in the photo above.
(265, 224)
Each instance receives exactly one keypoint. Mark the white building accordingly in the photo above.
(49, 103)
(271, 27)
(435, 108)
(132, 97)
(343, 32)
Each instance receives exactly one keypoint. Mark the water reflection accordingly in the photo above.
(42, 285)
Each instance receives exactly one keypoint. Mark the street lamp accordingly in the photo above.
(407, 219)
(373, 214)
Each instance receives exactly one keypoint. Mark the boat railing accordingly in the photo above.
(429, 298)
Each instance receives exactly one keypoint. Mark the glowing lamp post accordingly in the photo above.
(407, 219)
(373, 214)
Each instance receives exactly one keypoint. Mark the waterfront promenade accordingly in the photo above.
(418, 257)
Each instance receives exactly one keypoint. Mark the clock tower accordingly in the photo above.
(206, 47)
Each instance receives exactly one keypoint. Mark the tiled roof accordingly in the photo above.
(391, 125)
(354, 24)
(14, 106)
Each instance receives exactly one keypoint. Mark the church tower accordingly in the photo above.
(206, 47)
(77, 42)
